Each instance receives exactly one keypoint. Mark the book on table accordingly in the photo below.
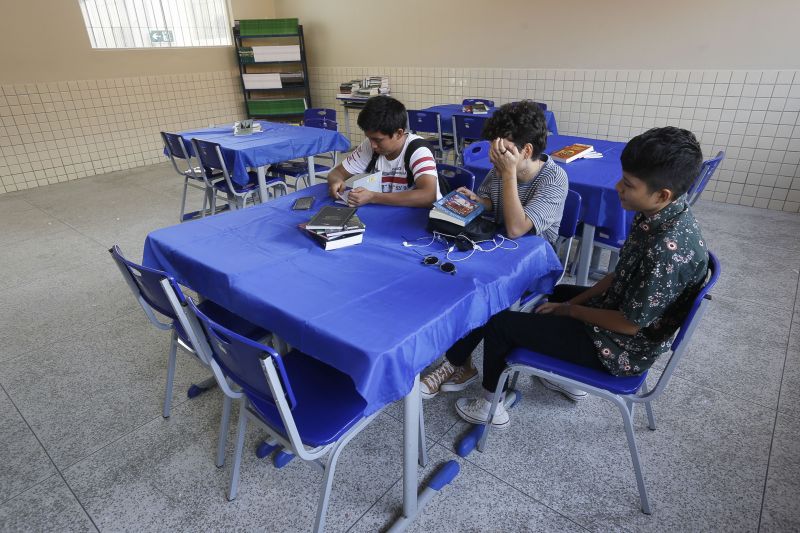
(479, 108)
(352, 233)
(572, 152)
(370, 181)
(331, 218)
(457, 208)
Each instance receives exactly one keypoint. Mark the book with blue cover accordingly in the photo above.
(457, 208)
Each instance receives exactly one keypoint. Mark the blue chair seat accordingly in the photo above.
(317, 423)
(252, 184)
(596, 378)
(296, 169)
(222, 316)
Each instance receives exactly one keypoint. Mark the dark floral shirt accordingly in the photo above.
(662, 266)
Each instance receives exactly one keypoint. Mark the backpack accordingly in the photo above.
(413, 146)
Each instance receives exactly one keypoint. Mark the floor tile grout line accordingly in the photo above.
(354, 524)
(777, 414)
(59, 473)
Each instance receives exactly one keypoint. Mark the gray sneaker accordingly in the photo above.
(476, 411)
(431, 382)
(572, 393)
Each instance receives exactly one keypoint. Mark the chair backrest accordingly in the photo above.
(321, 123)
(485, 101)
(686, 330)
(476, 150)
(176, 149)
(319, 113)
(570, 215)
(466, 127)
(706, 171)
(145, 283)
(241, 358)
(424, 121)
(210, 156)
(456, 176)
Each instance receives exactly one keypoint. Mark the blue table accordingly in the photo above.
(372, 310)
(276, 142)
(446, 112)
(594, 180)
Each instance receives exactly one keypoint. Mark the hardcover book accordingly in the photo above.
(331, 218)
(572, 152)
(457, 208)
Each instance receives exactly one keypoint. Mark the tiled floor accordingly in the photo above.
(84, 446)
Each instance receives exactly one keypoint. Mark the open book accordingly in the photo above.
(371, 182)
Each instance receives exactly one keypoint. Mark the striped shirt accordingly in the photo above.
(394, 172)
(542, 198)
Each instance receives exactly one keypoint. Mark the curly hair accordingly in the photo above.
(384, 114)
(520, 122)
(664, 158)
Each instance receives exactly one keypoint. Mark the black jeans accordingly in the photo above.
(556, 336)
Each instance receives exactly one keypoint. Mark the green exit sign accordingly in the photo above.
(160, 36)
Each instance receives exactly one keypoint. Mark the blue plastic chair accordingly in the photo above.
(456, 176)
(706, 171)
(428, 125)
(566, 234)
(306, 406)
(193, 176)
(623, 391)
(466, 128)
(475, 151)
(299, 169)
(210, 156)
(484, 101)
(146, 285)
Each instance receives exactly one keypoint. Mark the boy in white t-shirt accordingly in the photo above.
(383, 120)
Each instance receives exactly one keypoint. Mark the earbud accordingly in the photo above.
(405, 243)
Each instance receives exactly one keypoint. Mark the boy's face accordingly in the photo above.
(635, 196)
(386, 145)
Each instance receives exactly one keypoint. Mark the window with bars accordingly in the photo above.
(156, 23)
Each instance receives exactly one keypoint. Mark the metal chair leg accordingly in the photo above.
(498, 394)
(173, 350)
(183, 198)
(626, 410)
(224, 427)
(237, 455)
(651, 417)
(423, 450)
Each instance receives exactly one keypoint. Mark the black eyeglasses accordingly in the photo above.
(447, 268)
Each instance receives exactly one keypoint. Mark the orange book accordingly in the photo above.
(571, 153)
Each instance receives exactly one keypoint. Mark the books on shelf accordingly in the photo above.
(457, 208)
(371, 182)
(291, 77)
(331, 218)
(265, 54)
(369, 86)
(572, 152)
(262, 81)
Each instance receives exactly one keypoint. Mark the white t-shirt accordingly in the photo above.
(394, 171)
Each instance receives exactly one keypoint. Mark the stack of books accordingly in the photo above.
(456, 208)
(370, 86)
(575, 151)
(335, 227)
(262, 81)
(268, 54)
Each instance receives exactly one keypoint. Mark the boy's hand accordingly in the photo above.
(359, 196)
(335, 187)
(553, 308)
(468, 193)
(504, 156)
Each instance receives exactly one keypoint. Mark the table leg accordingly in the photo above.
(585, 254)
(262, 183)
(413, 503)
(312, 176)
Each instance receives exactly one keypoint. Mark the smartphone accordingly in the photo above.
(301, 204)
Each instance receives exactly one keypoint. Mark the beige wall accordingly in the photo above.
(46, 40)
(616, 34)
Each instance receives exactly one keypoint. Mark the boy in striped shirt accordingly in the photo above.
(525, 191)
(383, 121)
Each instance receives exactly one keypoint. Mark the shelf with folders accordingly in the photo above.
(272, 64)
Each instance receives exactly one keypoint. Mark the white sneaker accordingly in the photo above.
(476, 411)
(431, 382)
(572, 393)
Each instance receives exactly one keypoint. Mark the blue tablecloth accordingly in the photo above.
(373, 310)
(275, 143)
(593, 179)
(446, 112)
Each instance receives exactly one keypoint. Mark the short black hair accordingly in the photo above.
(521, 122)
(383, 114)
(664, 158)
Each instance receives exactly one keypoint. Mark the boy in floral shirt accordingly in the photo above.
(628, 319)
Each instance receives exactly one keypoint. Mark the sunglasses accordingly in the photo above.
(432, 260)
